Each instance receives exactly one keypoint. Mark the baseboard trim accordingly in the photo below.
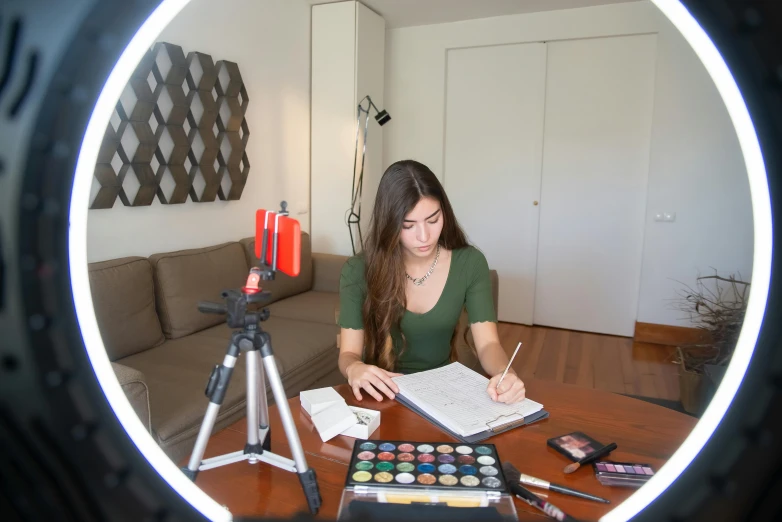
(668, 335)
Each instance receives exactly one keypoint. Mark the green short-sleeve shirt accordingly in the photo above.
(429, 334)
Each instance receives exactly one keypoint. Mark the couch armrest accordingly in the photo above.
(135, 388)
(326, 271)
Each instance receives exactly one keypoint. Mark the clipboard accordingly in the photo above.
(480, 436)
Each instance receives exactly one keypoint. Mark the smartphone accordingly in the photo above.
(288, 237)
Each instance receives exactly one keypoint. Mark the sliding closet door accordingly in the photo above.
(493, 144)
(595, 163)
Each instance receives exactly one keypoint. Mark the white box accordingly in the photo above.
(332, 416)
(363, 431)
(334, 420)
(315, 401)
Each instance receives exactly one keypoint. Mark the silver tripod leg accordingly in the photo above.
(207, 425)
(285, 413)
(253, 452)
(257, 418)
(252, 400)
(263, 405)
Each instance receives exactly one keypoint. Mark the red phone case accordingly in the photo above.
(288, 241)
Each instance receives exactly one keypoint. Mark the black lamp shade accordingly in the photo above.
(382, 117)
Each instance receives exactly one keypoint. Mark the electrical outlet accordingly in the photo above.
(669, 216)
(658, 216)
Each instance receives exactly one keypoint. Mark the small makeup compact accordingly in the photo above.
(610, 473)
(575, 446)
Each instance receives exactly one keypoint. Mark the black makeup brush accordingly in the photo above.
(512, 476)
(602, 452)
(528, 480)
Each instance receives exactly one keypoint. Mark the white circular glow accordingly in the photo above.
(77, 246)
(753, 159)
(761, 265)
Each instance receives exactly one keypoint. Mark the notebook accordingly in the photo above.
(454, 397)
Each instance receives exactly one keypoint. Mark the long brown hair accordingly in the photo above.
(402, 186)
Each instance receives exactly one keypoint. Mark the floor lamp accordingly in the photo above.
(354, 214)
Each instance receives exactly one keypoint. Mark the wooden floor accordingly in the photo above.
(605, 362)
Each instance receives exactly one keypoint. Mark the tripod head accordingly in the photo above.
(235, 308)
(278, 247)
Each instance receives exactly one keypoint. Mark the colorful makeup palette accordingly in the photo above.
(425, 465)
(627, 474)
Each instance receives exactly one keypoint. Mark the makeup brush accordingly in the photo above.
(605, 450)
(528, 480)
(512, 475)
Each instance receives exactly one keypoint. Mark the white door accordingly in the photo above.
(493, 147)
(593, 198)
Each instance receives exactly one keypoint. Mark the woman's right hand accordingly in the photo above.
(371, 379)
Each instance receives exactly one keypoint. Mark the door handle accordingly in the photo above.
(535, 203)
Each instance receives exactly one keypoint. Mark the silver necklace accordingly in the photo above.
(421, 280)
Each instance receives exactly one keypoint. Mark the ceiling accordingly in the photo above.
(405, 13)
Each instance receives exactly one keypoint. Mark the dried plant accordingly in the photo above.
(717, 306)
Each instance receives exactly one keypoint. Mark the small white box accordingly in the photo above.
(315, 401)
(363, 431)
(334, 420)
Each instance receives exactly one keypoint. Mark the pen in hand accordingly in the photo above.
(507, 368)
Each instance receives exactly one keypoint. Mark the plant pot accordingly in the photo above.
(696, 391)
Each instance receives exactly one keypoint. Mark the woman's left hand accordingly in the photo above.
(511, 390)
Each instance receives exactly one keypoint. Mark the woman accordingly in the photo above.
(400, 299)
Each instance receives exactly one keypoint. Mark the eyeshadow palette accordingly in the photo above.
(611, 473)
(425, 465)
(575, 446)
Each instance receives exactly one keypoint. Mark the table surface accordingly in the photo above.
(643, 432)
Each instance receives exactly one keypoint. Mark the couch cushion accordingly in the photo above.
(316, 307)
(124, 297)
(284, 285)
(295, 343)
(177, 371)
(184, 278)
(326, 271)
(304, 352)
(176, 374)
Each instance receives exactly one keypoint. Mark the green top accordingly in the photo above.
(429, 334)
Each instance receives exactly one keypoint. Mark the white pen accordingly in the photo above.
(508, 367)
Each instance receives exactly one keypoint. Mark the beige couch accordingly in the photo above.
(163, 349)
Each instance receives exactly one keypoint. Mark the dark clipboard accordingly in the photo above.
(477, 437)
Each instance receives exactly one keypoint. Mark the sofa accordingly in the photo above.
(163, 349)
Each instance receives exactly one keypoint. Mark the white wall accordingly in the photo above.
(347, 64)
(370, 67)
(270, 41)
(696, 169)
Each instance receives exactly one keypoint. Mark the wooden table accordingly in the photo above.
(643, 432)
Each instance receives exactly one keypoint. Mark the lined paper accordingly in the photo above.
(456, 397)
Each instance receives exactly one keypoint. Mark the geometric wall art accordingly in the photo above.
(178, 133)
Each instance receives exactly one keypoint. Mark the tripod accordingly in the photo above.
(252, 340)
